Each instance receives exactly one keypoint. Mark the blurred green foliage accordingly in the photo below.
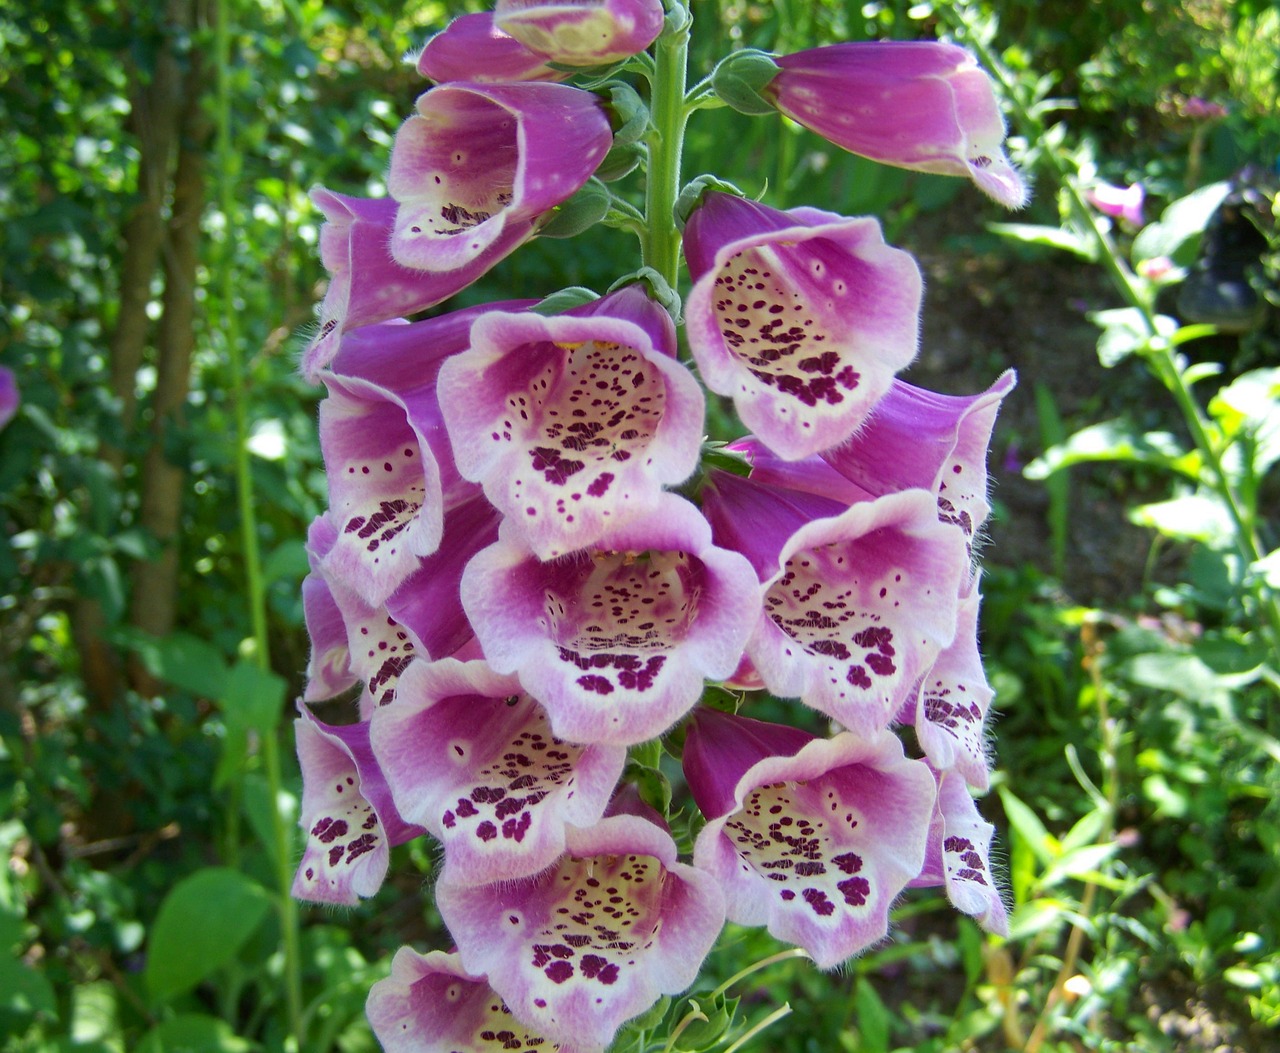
(1138, 750)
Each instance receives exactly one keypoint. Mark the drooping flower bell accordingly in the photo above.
(615, 641)
(914, 104)
(366, 285)
(470, 756)
(801, 317)
(478, 162)
(812, 837)
(347, 814)
(1119, 202)
(575, 421)
(430, 1004)
(582, 32)
(858, 603)
(473, 48)
(596, 938)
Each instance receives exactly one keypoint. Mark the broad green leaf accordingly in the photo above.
(180, 659)
(1191, 517)
(1113, 440)
(1026, 824)
(1183, 220)
(194, 1033)
(25, 992)
(1081, 863)
(1249, 408)
(1051, 237)
(202, 924)
(873, 1018)
(1125, 333)
(252, 697)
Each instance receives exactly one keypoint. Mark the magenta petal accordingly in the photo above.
(471, 757)
(346, 811)
(582, 32)
(366, 285)
(479, 159)
(915, 104)
(594, 940)
(919, 438)
(862, 605)
(801, 318)
(9, 395)
(430, 1004)
(615, 641)
(571, 423)
(329, 667)
(472, 48)
(954, 698)
(815, 845)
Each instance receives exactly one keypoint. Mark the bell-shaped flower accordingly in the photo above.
(950, 711)
(473, 48)
(10, 397)
(471, 757)
(366, 285)
(959, 856)
(1119, 202)
(478, 161)
(595, 939)
(582, 32)
(329, 666)
(857, 603)
(575, 421)
(616, 640)
(801, 317)
(913, 438)
(914, 104)
(431, 1004)
(813, 838)
(347, 813)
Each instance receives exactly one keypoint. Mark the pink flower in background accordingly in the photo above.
(814, 838)
(478, 164)
(582, 32)
(914, 104)
(595, 939)
(9, 395)
(574, 422)
(1118, 202)
(346, 813)
(473, 48)
(430, 1004)
(470, 756)
(801, 317)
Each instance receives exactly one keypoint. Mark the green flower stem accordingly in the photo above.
(229, 168)
(1161, 358)
(661, 245)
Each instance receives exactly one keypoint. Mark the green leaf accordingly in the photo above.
(194, 1033)
(1125, 333)
(873, 1018)
(180, 659)
(1026, 824)
(1051, 237)
(1249, 408)
(252, 698)
(202, 924)
(25, 992)
(1183, 220)
(1191, 517)
(1112, 440)
(1082, 863)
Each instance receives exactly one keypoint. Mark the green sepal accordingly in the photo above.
(631, 113)
(559, 302)
(620, 161)
(584, 210)
(691, 195)
(740, 79)
(659, 289)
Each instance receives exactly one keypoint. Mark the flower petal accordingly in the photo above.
(473, 48)
(615, 642)
(801, 320)
(477, 159)
(582, 32)
(594, 940)
(470, 756)
(329, 667)
(346, 812)
(815, 844)
(571, 422)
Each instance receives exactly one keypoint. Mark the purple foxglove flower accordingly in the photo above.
(958, 856)
(366, 285)
(329, 667)
(573, 422)
(914, 438)
(595, 939)
(9, 397)
(1118, 202)
(430, 1004)
(582, 32)
(951, 708)
(471, 757)
(813, 838)
(801, 317)
(473, 48)
(615, 641)
(347, 814)
(478, 160)
(858, 603)
(914, 104)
